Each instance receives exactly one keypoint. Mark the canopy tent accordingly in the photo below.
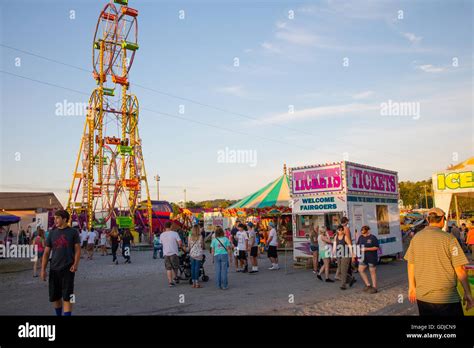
(276, 193)
(456, 181)
(8, 219)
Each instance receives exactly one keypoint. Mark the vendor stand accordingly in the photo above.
(322, 194)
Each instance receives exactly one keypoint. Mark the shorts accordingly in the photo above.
(272, 251)
(40, 254)
(324, 254)
(61, 284)
(371, 263)
(242, 255)
(171, 262)
(90, 247)
(439, 309)
(254, 251)
(314, 248)
(84, 244)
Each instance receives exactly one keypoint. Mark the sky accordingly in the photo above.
(286, 82)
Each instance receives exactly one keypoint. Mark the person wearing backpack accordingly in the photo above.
(195, 249)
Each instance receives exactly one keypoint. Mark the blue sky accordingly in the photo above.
(284, 63)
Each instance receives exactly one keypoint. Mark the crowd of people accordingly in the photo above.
(240, 243)
(436, 259)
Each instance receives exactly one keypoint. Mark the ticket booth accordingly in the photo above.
(322, 194)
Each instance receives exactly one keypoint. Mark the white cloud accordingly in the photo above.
(280, 25)
(270, 47)
(319, 112)
(412, 37)
(430, 68)
(248, 50)
(237, 91)
(362, 95)
(297, 37)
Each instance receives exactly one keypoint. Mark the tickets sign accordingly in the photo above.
(317, 179)
(367, 180)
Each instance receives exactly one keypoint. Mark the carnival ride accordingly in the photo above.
(109, 173)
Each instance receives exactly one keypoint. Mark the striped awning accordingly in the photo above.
(276, 193)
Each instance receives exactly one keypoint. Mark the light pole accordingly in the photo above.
(426, 197)
(157, 178)
(185, 198)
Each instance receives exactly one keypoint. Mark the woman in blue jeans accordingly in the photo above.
(195, 248)
(221, 250)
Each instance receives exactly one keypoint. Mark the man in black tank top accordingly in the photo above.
(344, 255)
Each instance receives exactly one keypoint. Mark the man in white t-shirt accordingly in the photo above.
(242, 245)
(253, 247)
(171, 244)
(83, 240)
(272, 244)
(91, 236)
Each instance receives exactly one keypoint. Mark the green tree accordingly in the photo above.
(413, 193)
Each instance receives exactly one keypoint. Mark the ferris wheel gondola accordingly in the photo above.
(104, 43)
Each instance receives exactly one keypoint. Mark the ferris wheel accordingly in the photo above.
(108, 188)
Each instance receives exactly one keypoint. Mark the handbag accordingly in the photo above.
(221, 243)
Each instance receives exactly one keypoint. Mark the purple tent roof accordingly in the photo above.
(8, 219)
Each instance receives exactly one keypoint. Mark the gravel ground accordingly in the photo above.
(140, 288)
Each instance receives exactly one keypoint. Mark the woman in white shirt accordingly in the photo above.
(324, 254)
(103, 243)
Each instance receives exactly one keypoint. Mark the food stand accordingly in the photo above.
(322, 194)
(457, 181)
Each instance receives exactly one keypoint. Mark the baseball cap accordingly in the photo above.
(250, 224)
(436, 211)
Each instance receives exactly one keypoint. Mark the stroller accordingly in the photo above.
(184, 268)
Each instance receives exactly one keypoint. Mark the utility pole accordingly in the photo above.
(157, 178)
(426, 197)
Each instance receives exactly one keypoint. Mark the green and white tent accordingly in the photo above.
(276, 193)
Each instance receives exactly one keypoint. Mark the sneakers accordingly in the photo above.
(271, 268)
(253, 271)
(329, 280)
(366, 288)
(319, 277)
(172, 285)
(315, 272)
(344, 287)
(353, 280)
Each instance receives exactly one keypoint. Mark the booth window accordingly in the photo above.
(305, 223)
(383, 225)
